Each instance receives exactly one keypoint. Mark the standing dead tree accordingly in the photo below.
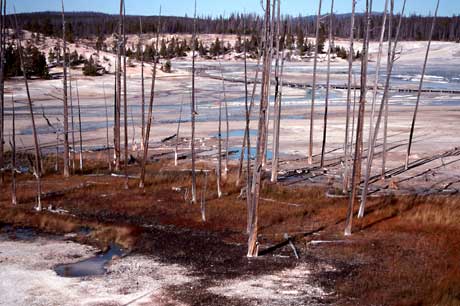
(117, 115)
(261, 139)
(351, 56)
(373, 140)
(246, 136)
(193, 110)
(13, 157)
(278, 97)
(414, 118)
(385, 116)
(150, 110)
(326, 102)
(109, 161)
(66, 105)
(72, 120)
(141, 50)
(356, 174)
(79, 127)
(247, 139)
(38, 164)
(2, 86)
(125, 101)
(313, 88)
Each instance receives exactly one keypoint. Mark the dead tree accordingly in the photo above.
(373, 138)
(117, 117)
(125, 100)
(150, 110)
(109, 161)
(247, 139)
(219, 152)
(2, 87)
(414, 118)
(141, 46)
(351, 55)
(313, 88)
(261, 139)
(248, 121)
(178, 131)
(278, 97)
(13, 157)
(326, 102)
(72, 121)
(385, 122)
(356, 174)
(193, 110)
(79, 126)
(38, 163)
(66, 105)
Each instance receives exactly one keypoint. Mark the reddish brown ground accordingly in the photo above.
(404, 252)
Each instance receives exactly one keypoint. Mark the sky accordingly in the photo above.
(225, 7)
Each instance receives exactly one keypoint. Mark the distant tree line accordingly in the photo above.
(88, 24)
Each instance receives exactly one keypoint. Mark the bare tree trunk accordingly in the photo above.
(107, 129)
(72, 120)
(66, 107)
(247, 138)
(178, 131)
(261, 139)
(373, 138)
(248, 121)
(2, 89)
(142, 83)
(356, 175)
(117, 142)
(13, 157)
(38, 165)
(193, 111)
(409, 146)
(219, 153)
(125, 100)
(313, 89)
(385, 122)
(203, 198)
(277, 105)
(326, 102)
(351, 55)
(150, 111)
(79, 127)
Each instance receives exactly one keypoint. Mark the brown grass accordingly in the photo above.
(404, 252)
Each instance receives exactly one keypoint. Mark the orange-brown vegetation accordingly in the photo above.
(404, 252)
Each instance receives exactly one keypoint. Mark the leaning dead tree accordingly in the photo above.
(150, 110)
(193, 110)
(178, 132)
(326, 102)
(261, 139)
(38, 164)
(313, 88)
(351, 56)
(356, 174)
(373, 137)
(66, 105)
(414, 118)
